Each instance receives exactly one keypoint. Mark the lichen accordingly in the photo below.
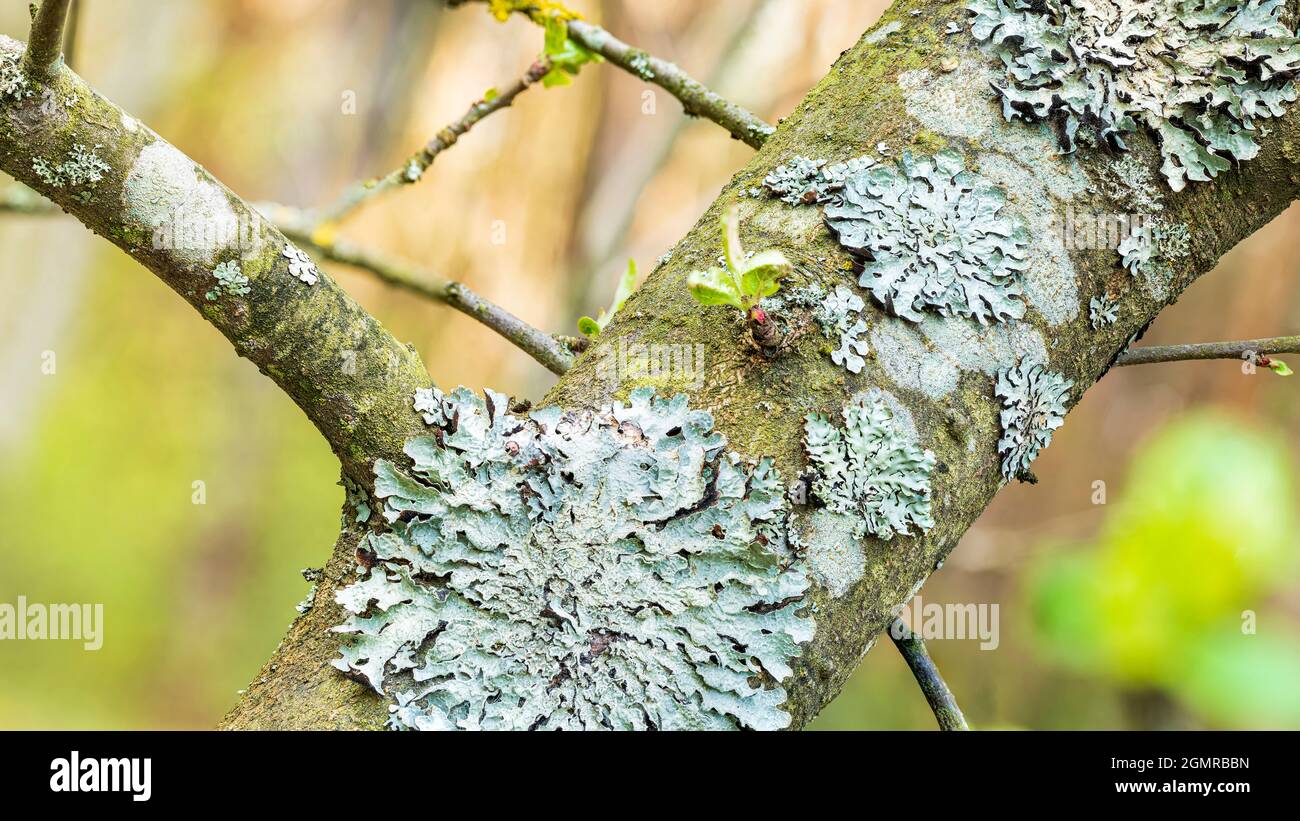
(230, 281)
(838, 314)
(803, 181)
(13, 82)
(933, 239)
(873, 470)
(1196, 75)
(609, 569)
(300, 265)
(82, 167)
(1033, 407)
(1102, 311)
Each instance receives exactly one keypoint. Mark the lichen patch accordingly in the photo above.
(613, 569)
(1196, 75)
(872, 469)
(933, 239)
(931, 357)
(164, 186)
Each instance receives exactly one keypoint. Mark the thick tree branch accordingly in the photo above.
(46, 41)
(696, 98)
(119, 178)
(413, 169)
(940, 698)
(1242, 349)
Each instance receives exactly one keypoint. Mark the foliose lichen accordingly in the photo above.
(230, 281)
(873, 470)
(1195, 74)
(82, 167)
(933, 239)
(1033, 407)
(300, 265)
(609, 569)
(1102, 311)
(13, 82)
(838, 314)
(804, 181)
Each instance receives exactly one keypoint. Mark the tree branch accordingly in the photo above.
(696, 98)
(940, 698)
(46, 41)
(413, 169)
(1211, 350)
(555, 353)
(551, 352)
(119, 178)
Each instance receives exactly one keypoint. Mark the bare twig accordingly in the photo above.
(1242, 349)
(553, 353)
(46, 42)
(941, 700)
(696, 98)
(419, 162)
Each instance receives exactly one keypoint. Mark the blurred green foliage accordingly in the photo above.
(1174, 594)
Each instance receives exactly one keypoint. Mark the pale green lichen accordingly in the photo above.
(873, 470)
(612, 569)
(300, 265)
(13, 82)
(230, 281)
(81, 168)
(1195, 74)
(1033, 406)
(1102, 311)
(933, 239)
(804, 181)
(838, 314)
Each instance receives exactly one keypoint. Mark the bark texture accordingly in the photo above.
(907, 85)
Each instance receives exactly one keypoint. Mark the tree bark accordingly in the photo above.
(899, 89)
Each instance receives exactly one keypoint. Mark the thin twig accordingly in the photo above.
(696, 98)
(941, 700)
(419, 162)
(552, 353)
(46, 41)
(1243, 349)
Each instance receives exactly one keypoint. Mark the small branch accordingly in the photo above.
(1211, 350)
(556, 353)
(46, 42)
(941, 700)
(551, 352)
(413, 169)
(696, 98)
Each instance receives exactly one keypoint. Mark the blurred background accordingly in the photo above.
(1175, 603)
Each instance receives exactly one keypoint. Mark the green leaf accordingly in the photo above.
(626, 286)
(1279, 367)
(490, 95)
(589, 327)
(715, 287)
(567, 57)
(763, 274)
